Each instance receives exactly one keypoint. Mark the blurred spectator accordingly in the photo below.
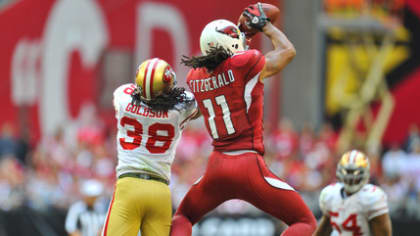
(11, 183)
(91, 129)
(412, 139)
(283, 141)
(318, 156)
(103, 167)
(306, 140)
(57, 150)
(412, 202)
(413, 166)
(393, 161)
(328, 136)
(376, 171)
(8, 143)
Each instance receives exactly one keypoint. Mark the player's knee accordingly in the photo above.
(304, 226)
(306, 220)
(180, 225)
(180, 219)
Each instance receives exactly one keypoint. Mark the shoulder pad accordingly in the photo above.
(373, 200)
(124, 89)
(120, 94)
(371, 194)
(189, 75)
(328, 192)
(193, 73)
(244, 58)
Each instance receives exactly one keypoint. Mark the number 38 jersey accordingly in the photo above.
(350, 215)
(231, 101)
(147, 139)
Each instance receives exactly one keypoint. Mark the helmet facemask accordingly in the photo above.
(353, 172)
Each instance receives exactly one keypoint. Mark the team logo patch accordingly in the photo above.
(231, 31)
(168, 75)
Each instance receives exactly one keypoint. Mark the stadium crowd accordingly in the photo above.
(47, 173)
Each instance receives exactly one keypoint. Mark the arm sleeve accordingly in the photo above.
(72, 217)
(376, 202)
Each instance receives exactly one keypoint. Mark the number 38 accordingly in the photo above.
(134, 137)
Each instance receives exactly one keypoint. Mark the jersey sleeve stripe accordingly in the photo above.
(250, 85)
(253, 66)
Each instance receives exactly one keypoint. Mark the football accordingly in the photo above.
(272, 12)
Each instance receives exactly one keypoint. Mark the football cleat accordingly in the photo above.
(222, 33)
(353, 170)
(153, 78)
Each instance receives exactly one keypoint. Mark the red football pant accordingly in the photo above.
(243, 177)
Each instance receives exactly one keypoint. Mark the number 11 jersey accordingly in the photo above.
(147, 139)
(231, 101)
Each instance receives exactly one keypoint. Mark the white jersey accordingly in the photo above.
(350, 215)
(147, 139)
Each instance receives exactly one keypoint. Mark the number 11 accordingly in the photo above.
(221, 101)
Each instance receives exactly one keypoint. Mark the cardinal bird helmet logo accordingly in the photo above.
(232, 31)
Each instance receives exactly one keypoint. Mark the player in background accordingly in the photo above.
(227, 82)
(352, 206)
(86, 217)
(151, 115)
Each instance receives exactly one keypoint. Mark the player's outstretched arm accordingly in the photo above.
(381, 225)
(283, 52)
(324, 228)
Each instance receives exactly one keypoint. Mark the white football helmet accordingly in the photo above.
(353, 170)
(223, 33)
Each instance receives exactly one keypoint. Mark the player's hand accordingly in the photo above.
(256, 16)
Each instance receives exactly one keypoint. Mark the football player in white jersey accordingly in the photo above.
(352, 206)
(151, 115)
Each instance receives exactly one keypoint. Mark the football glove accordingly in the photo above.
(256, 16)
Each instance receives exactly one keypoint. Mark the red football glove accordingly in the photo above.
(256, 16)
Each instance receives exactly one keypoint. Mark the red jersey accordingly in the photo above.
(231, 101)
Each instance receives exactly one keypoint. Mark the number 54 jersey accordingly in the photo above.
(350, 215)
(147, 139)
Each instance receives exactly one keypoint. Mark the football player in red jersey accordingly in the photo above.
(227, 82)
